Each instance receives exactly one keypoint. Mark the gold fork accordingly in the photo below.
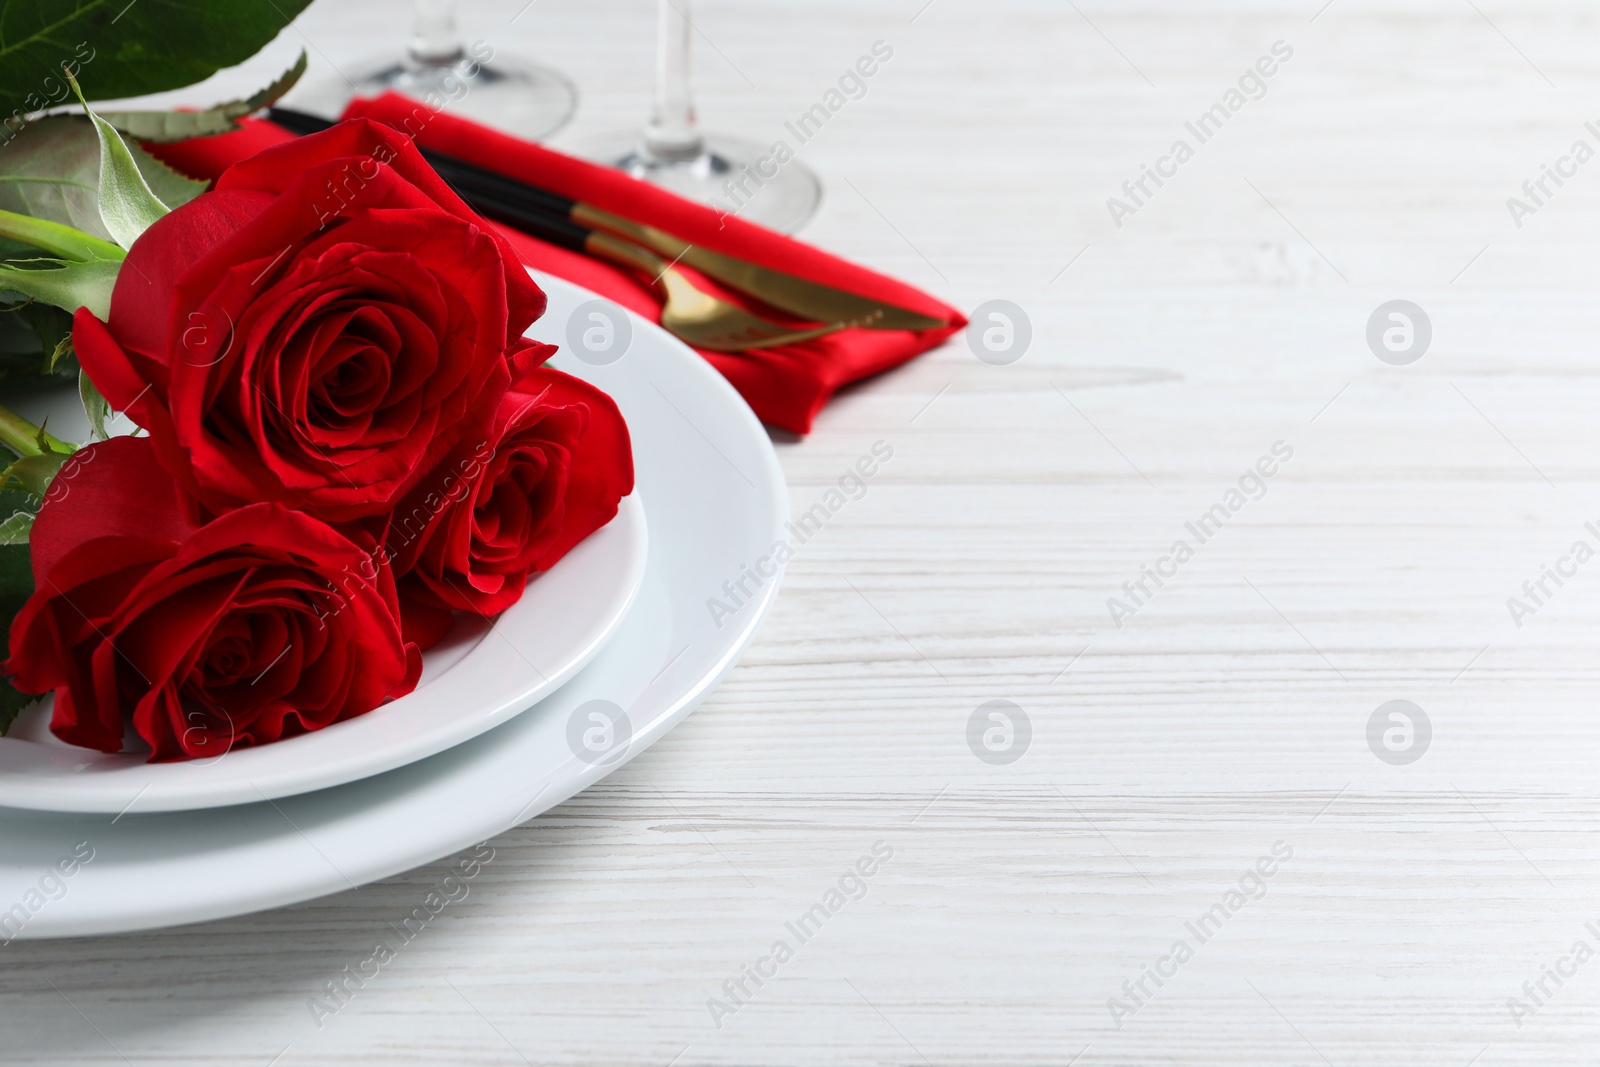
(697, 317)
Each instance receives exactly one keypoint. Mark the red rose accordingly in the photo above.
(319, 330)
(550, 472)
(260, 624)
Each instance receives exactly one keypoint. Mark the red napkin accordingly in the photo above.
(785, 386)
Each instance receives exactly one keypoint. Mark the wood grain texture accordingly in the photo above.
(1169, 753)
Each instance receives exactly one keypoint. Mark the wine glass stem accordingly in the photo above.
(435, 40)
(672, 132)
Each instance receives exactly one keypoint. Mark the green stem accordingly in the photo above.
(22, 436)
(59, 240)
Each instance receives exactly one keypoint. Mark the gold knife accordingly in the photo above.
(811, 300)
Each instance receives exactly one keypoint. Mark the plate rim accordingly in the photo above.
(61, 793)
(363, 823)
(114, 789)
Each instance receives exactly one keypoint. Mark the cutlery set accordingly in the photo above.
(689, 312)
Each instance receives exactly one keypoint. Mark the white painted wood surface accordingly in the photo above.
(1227, 715)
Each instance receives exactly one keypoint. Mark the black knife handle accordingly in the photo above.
(464, 177)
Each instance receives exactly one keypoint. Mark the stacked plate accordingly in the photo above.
(606, 652)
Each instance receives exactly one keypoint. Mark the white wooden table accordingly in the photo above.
(1227, 715)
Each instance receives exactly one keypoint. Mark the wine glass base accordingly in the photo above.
(514, 95)
(737, 177)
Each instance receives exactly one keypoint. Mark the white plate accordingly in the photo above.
(473, 681)
(711, 486)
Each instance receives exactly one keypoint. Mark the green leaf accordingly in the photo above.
(52, 171)
(21, 350)
(35, 473)
(66, 285)
(127, 206)
(17, 512)
(13, 701)
(10, 249)
(16, 585)
(121, 49)
(94, 405)
(166, 126)
(63, 360)
(14, 529)
(30, 334)
(52, 324)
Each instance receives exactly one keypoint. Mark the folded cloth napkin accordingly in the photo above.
(785, 386)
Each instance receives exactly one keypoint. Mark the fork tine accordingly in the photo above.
(702, 319)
